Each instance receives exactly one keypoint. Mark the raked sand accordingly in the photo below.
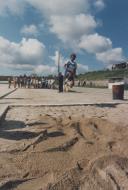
(81, 147)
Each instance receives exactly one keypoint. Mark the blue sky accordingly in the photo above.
(32, 31)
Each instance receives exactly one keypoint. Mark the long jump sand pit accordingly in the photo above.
(64, 148)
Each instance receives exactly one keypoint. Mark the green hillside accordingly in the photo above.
(103, 75)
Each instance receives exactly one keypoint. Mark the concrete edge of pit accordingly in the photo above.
(10, 92)
(66, 105)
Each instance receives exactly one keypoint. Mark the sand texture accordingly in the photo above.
(64, 148)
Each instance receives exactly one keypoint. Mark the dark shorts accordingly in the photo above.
(69, 76)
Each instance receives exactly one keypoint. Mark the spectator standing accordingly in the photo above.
(60, 82)
(9, 82)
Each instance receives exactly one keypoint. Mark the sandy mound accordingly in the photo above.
(105, 173)
(62, 152)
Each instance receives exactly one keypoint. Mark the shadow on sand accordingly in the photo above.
(73, 91)
(8, 131)
(7, 127)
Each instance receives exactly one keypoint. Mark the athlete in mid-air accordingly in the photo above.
(70, 72)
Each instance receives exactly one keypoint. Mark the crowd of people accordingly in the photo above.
(42, 82)
(30, 82)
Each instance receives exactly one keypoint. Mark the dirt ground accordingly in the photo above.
(64, 148)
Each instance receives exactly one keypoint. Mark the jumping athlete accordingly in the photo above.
(70, 72)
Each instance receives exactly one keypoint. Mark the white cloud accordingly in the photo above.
(74, 25)
(46, 70)
(32, 48)
(23, 67)
(82, 68)
(99, 4)
(15, 7)
(102, 48)
(111, 56)
(26, 54)
(30, 30)
(95, 43)
(70, 20)
(69, 28)
(57, 57)
(60, 7)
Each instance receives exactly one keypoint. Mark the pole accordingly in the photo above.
(58, 63)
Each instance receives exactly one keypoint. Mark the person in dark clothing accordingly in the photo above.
(60, 82)
(18, 82)
(9, 82)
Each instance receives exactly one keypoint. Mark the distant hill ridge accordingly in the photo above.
(94, 75)
(104, 74)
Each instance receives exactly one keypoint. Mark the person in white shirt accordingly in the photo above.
(70, 71)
